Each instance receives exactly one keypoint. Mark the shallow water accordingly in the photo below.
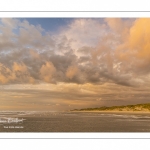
(73, 122)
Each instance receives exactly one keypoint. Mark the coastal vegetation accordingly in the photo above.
(137, 107)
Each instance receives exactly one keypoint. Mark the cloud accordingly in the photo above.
(46, 96)
(93, 51)
(47, 71)
(71, 71)
(135, 50)
(18, 73)
(8, 22)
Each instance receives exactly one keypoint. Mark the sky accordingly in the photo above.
(58, 64)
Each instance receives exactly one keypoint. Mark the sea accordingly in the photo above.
(45, 121)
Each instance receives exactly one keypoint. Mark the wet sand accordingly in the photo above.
(80, 121)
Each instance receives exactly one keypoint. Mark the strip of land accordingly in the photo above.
(127, 108)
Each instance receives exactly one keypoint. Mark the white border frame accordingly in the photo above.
(64, 14)
(73, 14)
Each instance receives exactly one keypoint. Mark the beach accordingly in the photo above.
(92, 121)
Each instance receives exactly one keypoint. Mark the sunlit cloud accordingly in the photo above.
(87, 62)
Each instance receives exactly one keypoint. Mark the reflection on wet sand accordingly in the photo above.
(73, 122)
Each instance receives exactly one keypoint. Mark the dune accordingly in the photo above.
(143, 108)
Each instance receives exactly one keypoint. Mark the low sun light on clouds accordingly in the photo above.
(86, 63)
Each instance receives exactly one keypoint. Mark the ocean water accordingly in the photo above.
(33, 121)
